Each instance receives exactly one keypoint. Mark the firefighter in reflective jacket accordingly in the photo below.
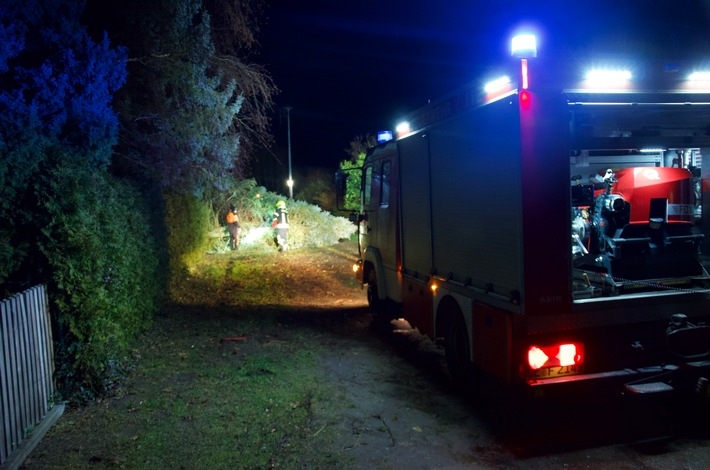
(233, 227)
(280, 225)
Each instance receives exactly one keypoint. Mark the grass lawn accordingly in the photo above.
(226, 378)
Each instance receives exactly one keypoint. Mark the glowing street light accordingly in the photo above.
(289, 182)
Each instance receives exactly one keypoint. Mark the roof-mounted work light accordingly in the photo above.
(496, 85)
(699, 77)
(524, 46)
(608, 76)
(403, 129)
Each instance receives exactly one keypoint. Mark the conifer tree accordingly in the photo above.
(189, 110)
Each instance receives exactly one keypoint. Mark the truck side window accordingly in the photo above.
(367, 187)
(385, 193)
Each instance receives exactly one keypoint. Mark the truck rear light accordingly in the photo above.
(564, 354)
(525, 99)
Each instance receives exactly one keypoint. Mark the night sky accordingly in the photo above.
(352, 67)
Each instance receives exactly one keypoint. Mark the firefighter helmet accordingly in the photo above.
(281, 205)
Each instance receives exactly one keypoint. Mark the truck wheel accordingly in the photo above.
(457, 349)
(377, 305)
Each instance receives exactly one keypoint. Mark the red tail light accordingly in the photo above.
(525, 99)
(563, 354)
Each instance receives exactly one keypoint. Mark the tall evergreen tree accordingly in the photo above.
(188, 111)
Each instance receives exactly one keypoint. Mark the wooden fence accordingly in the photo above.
(26, 368)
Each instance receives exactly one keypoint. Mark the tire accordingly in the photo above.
(458, 349)
(377, 305)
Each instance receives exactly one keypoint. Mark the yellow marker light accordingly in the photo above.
(356, 267)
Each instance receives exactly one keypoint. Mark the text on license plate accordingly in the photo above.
(556, 371)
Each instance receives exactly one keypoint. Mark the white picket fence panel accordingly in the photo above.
(26, 367)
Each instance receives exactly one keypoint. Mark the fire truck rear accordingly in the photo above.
(547, 227)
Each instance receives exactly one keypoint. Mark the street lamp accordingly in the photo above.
(289, 182)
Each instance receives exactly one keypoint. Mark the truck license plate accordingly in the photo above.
(556, 371)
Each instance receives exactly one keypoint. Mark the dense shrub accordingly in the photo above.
(105, 269)
(254, 203)
(310, 226)
(188, 222)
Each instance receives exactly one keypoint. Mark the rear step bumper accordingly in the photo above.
(688, 378)
(649, 388)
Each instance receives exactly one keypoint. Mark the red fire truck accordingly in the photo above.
(547, 226)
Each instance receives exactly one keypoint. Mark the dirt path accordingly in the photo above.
(406, 415)
(403, 415)
(396, 407)
(404, 412)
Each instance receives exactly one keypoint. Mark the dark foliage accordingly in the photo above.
(168, 91)
(65, 220)
(56, 87)
(192, 109)
(104, 261)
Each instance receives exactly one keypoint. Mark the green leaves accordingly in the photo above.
(357, 151)
(187, 219)
(105, 266)
(56, 92)
(198, 108)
